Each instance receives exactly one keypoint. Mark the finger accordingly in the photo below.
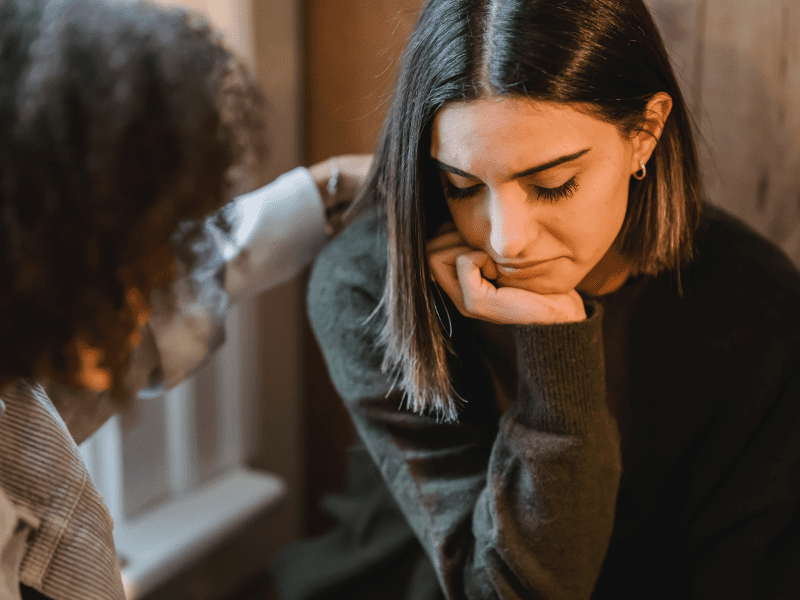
(475, 289)
(443, 269)
(486, 267)
(449, 256)
(489, 269)
(443, 263)
(483, 300)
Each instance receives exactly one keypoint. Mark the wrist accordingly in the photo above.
(321, 174)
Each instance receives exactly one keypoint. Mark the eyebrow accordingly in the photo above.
(542, 167)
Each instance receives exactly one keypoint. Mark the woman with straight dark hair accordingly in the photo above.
(575, 380)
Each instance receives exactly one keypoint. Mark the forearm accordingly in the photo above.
(274, 233)
(528, 513)
(545, 520)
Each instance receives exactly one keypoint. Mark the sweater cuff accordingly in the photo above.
(562, 367)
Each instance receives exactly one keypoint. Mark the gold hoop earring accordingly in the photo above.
(641, 173)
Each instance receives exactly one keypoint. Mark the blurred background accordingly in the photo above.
(207, 482)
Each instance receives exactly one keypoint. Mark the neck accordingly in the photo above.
(607, 276)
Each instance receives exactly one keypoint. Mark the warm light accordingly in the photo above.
(142, 314)
(92, 376)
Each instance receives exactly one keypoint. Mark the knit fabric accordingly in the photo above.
(651, 451)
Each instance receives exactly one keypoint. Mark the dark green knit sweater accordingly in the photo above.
(651, 451)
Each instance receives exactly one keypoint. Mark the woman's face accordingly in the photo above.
(540, 187)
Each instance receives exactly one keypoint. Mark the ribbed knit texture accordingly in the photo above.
(563, 365)
(71, 555)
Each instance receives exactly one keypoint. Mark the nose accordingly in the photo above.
(508, 217)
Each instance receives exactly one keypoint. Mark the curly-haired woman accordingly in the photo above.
(125, 132)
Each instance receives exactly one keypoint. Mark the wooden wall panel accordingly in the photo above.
(742, 61)
(752, 96)
(352, 48)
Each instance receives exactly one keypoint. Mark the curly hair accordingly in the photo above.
(117, 123)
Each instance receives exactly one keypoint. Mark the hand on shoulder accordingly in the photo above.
(340, 177)
(467, 275)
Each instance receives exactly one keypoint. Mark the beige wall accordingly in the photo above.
(351, 51)
(233, 17)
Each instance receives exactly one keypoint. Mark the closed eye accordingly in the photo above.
(456, 193)
(555, 194)
(565, 190)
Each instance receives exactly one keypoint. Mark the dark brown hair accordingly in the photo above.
(603, 57)
(118, 121)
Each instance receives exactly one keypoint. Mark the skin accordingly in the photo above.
(522, 242)
(353, 170)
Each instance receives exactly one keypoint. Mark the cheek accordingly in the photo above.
(618, 205)
(469, 222)
(606, 207)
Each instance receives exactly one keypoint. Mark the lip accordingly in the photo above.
(523, 270)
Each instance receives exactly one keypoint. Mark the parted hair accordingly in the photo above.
(605, 58)
(118, 121)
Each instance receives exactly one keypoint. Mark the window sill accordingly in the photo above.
(160, 544)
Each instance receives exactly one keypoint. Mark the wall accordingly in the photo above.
(351, 49)
(740, 65)
(351, 53)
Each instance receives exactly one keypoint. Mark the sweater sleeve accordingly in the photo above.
(523, 511)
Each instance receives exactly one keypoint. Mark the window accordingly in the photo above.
(172, 471)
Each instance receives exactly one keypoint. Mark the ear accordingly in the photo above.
(644, 142)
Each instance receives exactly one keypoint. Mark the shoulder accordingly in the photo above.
(724, 239)
(344, 292)
(741, 288)
(743, 264)
(351, 267)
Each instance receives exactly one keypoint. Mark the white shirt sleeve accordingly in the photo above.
(277, 231)
(274, 233)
